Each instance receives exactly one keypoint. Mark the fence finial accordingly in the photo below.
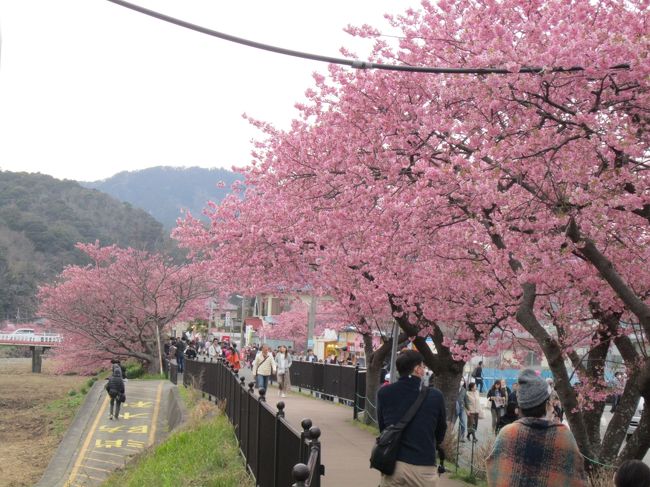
(300, 473)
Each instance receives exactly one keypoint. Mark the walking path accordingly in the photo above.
(95, 446)
(345, 446)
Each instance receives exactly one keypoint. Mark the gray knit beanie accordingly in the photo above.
(533, 390)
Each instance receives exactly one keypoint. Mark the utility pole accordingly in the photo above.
(311, 320)
(242, 340)
(393, 352)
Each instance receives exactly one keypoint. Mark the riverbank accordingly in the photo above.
(36, 412)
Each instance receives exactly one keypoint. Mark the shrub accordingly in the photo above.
(72, 392)
(134, 370)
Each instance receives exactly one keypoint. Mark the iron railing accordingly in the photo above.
(271, 446)
(343, 383)
(173, 372)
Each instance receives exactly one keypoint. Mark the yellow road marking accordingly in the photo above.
(154, 420)
(82, 452)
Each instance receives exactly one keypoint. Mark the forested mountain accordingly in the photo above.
(41, 219)
(164, 191)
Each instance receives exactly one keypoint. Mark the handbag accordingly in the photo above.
(122, 397)
(384, 454)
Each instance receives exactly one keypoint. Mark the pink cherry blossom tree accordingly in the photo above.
(474, 206)
(119, 305)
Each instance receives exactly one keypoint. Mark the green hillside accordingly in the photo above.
(165, 191)
(41, 219)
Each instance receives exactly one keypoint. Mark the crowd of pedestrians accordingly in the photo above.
(533, 448)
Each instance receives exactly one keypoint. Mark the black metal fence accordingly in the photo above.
(275, 452)
(345, 383)
(173, 372)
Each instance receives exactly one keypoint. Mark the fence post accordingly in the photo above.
(471, 462)
(458, 444)
(249, 397)
(355, 412)
(306, 424)
(278, 415)
(314, 450)
(262, 398)
(300, 473)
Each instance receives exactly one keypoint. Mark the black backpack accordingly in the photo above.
(384, 453)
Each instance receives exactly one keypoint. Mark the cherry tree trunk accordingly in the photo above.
(374, 362)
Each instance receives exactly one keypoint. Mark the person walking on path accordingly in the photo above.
(263, 367)
(115, 389)
(190, 351)
(180, 354)
(535, 451)
(233, 358)
(472, 403)
(416, 457)
(214, 350)
(283, 359)
(497, 397)
(478, 376)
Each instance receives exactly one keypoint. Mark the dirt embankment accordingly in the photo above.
(35, 411)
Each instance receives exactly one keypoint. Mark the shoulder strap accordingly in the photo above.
(413, 409)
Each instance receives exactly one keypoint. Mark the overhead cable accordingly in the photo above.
(357, 64)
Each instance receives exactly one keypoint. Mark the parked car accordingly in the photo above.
(636, 418)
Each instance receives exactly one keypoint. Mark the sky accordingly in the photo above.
(89, 88)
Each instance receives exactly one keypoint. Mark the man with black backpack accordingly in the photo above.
(420, 414)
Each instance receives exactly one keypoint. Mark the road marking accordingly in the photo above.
(105, 461)
(90, 477)
(91, 432)
(154, 420)
(97, 468)
(107, 453)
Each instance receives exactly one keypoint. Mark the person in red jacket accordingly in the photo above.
(233, 357)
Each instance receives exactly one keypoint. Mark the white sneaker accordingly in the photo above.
(284, 395)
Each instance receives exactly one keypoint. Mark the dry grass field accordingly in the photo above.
(35, 411)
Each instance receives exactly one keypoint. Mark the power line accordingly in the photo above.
(357, 64)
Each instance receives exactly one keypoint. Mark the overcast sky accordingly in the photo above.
(89, 88)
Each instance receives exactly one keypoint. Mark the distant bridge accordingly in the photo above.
(37, 343)
(31, 340)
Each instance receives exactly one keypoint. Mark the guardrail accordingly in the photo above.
(28, 338)
(262, 433)
(345, 383)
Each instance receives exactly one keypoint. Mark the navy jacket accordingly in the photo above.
(428, 427)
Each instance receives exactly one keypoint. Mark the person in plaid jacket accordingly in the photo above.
(535, 451)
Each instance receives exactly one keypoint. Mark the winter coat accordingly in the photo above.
(264, 365)
(233, 359)
(115, 384)
(284, 362)
(472, 402)
(533, 452)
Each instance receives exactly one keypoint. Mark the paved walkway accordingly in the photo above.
(95, 446)
(345, 446)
